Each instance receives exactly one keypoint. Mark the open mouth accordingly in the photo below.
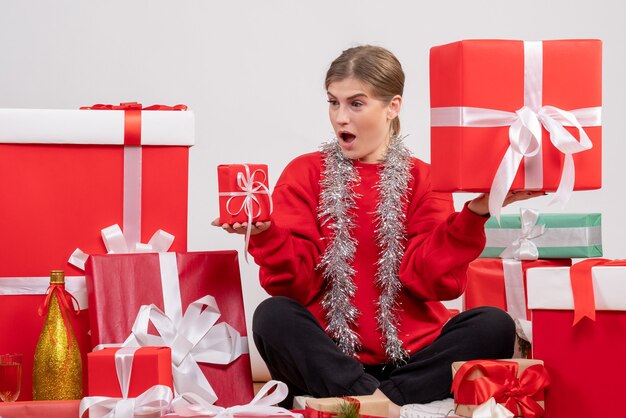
(347, 137)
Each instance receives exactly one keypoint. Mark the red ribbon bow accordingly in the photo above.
(582, 286)
(132, 117)
(499, 380)
(66, 305)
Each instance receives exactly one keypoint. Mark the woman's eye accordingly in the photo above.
(333, 102)
(357, 104)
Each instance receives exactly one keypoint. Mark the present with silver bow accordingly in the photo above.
(531, 235)
(190, 302)
(516, 115)
(132, 399)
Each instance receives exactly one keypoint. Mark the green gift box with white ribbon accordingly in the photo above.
(531, 235)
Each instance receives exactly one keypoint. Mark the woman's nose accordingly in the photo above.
(342, 116)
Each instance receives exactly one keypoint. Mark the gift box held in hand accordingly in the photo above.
(196, 295)
(511, 115)
(585, 359)
(517, 384)
(243, 193)
(532, 235)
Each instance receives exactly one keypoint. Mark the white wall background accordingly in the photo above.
(253, 71)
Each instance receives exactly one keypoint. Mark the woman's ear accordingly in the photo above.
(394, 106)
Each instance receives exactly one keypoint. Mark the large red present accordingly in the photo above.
(243, 193)
(511, 115)
(21, 325)
(502, 283)
(134, 292)
(66, 174)
(586, 361)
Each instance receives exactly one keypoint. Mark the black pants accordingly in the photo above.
(298, 352)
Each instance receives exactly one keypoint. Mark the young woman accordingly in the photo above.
(360, 252)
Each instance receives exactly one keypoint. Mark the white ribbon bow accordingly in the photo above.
(491, 409)
(193, 339)
(157, 399)
(189, 404)
(525, 133)
(523, 248)
(525, 140)
(250, 189)
(116, 243)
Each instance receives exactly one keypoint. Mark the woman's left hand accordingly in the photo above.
(480, 205)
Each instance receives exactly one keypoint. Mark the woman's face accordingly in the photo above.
(361, 121)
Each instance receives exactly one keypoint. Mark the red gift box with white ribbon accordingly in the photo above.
(190, 302)
(508, 114)
(243, 193)
(66, 174)
(579, 331)
(502, 283)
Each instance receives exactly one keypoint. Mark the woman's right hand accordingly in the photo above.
(240, 228)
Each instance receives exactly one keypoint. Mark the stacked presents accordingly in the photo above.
(160, 329)
(514, 115)
(106, 188)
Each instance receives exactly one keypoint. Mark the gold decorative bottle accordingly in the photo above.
(57, 368)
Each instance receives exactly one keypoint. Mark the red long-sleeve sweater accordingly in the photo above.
(440, 244)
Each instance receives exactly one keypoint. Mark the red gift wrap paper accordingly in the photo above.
(232, 207)
(490, 74)
(485, 281)
(585, 360)
(151, 366)
(119, 284)
(57, 198)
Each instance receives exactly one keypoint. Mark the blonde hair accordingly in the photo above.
(375, 66)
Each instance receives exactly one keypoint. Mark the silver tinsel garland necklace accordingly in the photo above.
(337, 198)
